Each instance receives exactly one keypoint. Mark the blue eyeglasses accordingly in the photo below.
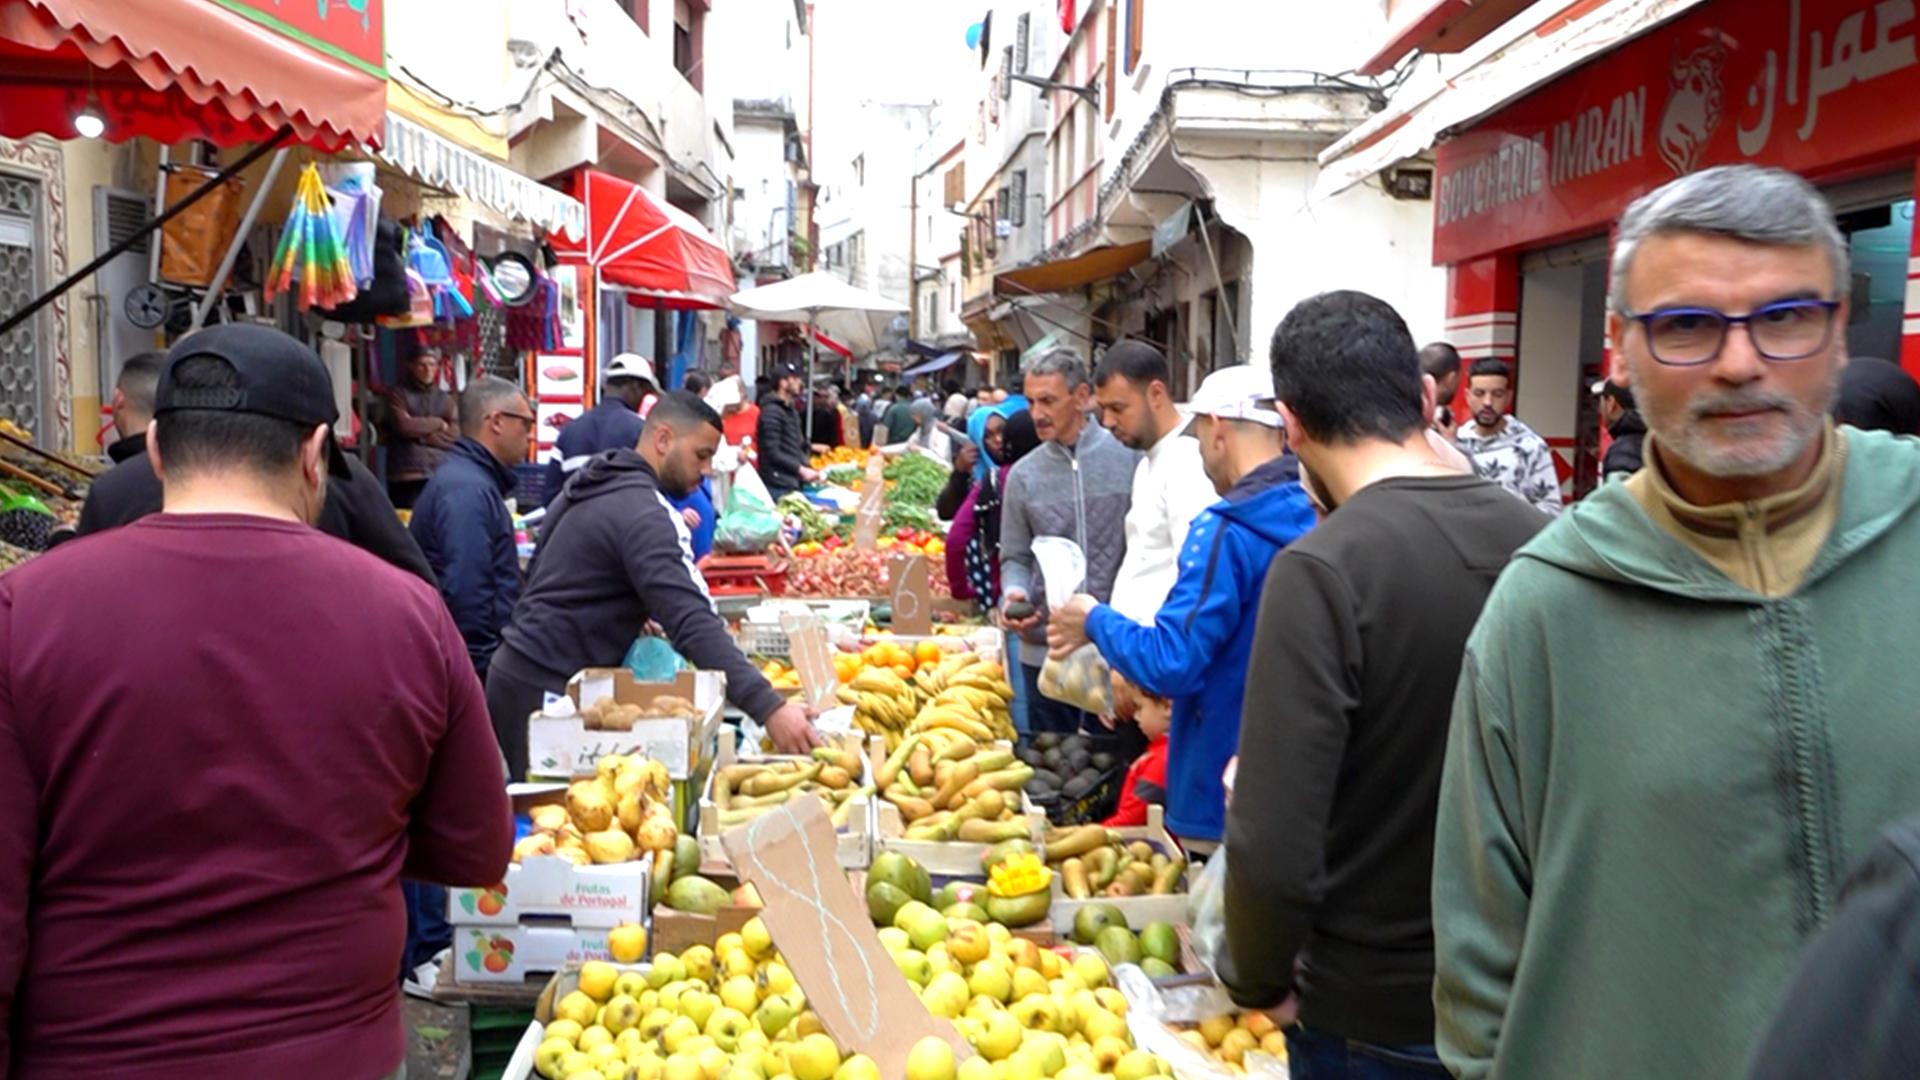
(1782, 331)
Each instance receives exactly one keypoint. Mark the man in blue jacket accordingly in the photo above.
(614, 424)
(1196, 649)
(461, 520)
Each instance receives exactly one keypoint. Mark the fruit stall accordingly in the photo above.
(40, 492)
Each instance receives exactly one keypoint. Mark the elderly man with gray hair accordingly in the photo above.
(1688, 703)
(1078, 485)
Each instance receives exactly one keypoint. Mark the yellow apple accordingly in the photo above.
(666, 968)
(597, 978)
(758, 939)
(578, 1008)
(1000, 1036)
(726, 1026)
(698, 960)
(1215, 1028)
(813, 1058)
(1027, 982)
(595, 1036)
(1107, 1053)
(968, 942)
(728, 942)
(607, 1060)
(565, 1029)
(678, 1033)
(697, 1007)
(713, 1061)
(627, 943)
(1137, 1065)
(655, 1022)
(620, 1014)
(932, 1059)
(683, 1067)
(857, 1067)
(774, 978)
(976, 1068)
(1236, 1043)
(546, 1059)
(740, 993)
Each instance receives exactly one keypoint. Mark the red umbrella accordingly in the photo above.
(648, 246)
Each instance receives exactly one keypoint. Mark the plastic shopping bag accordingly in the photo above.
(751, 524)
(653, 659)
(1207, 909)
(1083, 679)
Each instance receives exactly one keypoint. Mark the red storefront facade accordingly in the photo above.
(1524, 199)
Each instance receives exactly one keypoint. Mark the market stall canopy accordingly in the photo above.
(832, 345)
(648, 246)
(1522, 57)
(1437, 26)
(856, 317)
(1060, 275)
(228, 71)
(938, 363)
(433, 160)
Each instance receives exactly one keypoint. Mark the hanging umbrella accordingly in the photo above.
(312, 255)
(825, 303)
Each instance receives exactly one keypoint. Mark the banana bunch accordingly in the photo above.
(883, 704)
(950, 787)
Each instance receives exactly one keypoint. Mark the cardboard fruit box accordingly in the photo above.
(565, 981)
(855, 837)
(562, 747)
(677, 931)
(1139, 910)
(599, 897)
(512, 954)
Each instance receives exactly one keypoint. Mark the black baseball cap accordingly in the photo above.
(279, 376)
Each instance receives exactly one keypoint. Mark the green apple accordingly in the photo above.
(698, 1007)
(913, 964)
(775, 1013)
(895, 939)
(666, 968)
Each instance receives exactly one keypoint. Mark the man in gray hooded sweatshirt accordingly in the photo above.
(1077, 485)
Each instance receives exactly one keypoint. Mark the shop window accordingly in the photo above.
(688, 27)
(637, 11)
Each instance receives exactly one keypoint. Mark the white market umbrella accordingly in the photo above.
(855, 317)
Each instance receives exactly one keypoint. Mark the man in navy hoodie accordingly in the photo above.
(1196, 649)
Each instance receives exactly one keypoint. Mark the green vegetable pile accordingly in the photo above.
(815, 525)
(902, 515)
(918, 480)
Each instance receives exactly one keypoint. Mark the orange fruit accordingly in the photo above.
(928, 653)
(905, 671)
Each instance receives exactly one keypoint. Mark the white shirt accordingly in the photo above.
(1170, 488)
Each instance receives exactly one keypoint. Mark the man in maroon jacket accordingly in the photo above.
(202, 834)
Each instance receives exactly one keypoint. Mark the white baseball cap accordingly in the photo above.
(1240, 392)
(630, 366)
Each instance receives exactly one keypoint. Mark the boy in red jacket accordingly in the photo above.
(1146, 781)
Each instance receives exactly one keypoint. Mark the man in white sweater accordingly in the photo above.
(1170, 485)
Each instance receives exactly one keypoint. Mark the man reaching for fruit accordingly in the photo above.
(613, 557)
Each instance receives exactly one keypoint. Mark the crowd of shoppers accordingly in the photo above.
(1504, 788)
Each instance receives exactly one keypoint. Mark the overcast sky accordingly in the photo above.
(888, 51)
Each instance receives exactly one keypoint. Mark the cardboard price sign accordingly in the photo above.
(822, 929)
(873, 505)
(812, 656)
(911, 595)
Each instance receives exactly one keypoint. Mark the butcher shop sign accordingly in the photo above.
(1802, 84)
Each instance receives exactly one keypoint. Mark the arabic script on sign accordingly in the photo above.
(1832, 65)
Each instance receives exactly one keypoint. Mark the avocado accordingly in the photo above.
(1046, 740)
(1019, 609)
(1076, 787)
(1018, 911)
(884, 901)
(1102, 761)
(1073, 744)
(1160, 941)
(1079, 761)
(1046, 778)
(1157, 968)
(1029, 755)
(903, 873)
(1094, 918)
(1118, 945)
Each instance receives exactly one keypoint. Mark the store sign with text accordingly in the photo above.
(348, 29)
(1816, 86)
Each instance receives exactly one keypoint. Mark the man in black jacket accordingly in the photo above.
(357, 509)
(613, 557)
(1624, 425)
(132, 411)
(780, 440)
(461, 520)
(1362, 626)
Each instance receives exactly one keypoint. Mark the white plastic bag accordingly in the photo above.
(1207, 909)
(1083, 679)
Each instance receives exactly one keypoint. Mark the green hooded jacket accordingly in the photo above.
(1656, 779)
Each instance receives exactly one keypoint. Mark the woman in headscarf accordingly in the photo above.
(930, 436)
(1001, 435)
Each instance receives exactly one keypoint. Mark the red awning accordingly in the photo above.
(648, 246)
(228, 71)
(1439, 26)
(832, 345)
